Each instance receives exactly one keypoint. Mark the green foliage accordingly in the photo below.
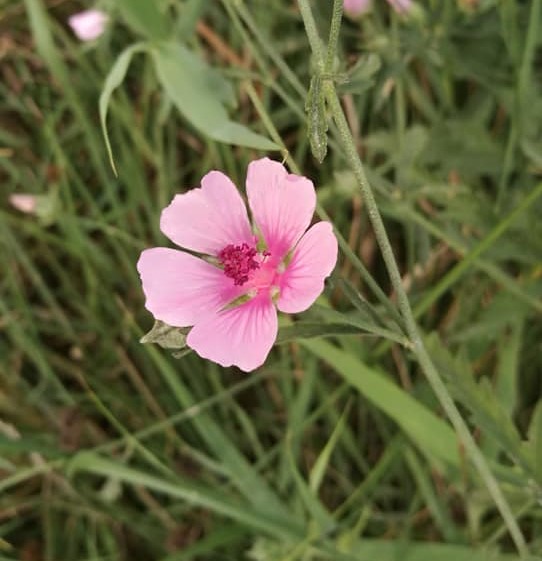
(200, 93)
(145, 18)
(336, 448)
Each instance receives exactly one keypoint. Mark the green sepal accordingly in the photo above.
(315, 107)
(166, 336)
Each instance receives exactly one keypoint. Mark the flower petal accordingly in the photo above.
(88, 24)
(209, 218)
(24, 202)
(180, 288)
(313, 260)
(354, 8)
(240, 336)
(401, 6)
(282, 204)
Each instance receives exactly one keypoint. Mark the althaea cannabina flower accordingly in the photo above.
(89, 24)
(355, 8)
(231, 297)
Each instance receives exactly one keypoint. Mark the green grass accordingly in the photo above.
(337, 448)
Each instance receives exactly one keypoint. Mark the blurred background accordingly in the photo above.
(336, 448)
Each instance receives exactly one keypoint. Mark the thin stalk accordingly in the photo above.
(383, 241)
(334, 30)
(312, 32)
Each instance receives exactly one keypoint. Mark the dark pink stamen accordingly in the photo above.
(238, 261)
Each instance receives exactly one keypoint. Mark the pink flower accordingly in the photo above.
(89, 24)
(354, 8)
(24, 202)
(230, 297)
(401, 6)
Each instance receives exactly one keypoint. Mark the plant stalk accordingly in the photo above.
(403, 303)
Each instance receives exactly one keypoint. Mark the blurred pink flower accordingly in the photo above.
(355, 8)
(89, 24)
(401, 6)
(23, 202)
(230, 297)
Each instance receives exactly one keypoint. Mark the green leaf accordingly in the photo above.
(535, 441)
(28, 444)
(362, 75)
(390, 550)
(481, 400)
(113, 80)
(364, 319)
(319, 468)
(509, 356)
(308, 330)
(242, 473)
(335, 324)
(166, 336)
(144, 17)
(5, 546)
(318, 513)
(192, 493)
(199, 93)
(434, 437)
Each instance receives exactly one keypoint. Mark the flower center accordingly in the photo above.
(239, 261)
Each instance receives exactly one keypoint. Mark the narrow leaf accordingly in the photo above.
(434, 437)
(190, 492)
(320, 465)
(113, 80)
(535, 440)
(480, 398)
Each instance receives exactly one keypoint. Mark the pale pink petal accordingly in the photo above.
(313, 260)
(401, 6)
(23, 202)
(354, 8)
(209, 218)
(89, 24)
(241, 336)
(180, 288)
(282, 204)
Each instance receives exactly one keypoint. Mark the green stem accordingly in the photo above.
(381, 235)
(433, 377)
(334, 30)
(312, 32)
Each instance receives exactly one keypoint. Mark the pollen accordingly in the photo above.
(239, 261)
